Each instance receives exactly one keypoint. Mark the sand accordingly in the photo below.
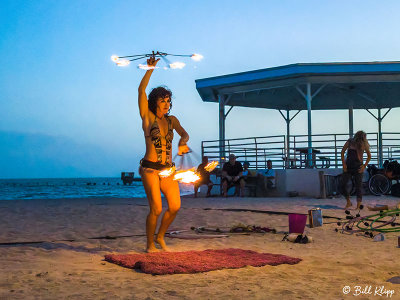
(60, 269)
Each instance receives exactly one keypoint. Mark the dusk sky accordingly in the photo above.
(66, 110)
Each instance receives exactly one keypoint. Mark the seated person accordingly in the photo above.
(268, 176)
(204, 178)
(246, 172)
(392, 169)
(232, 173)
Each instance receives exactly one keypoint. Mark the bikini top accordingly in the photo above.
(156, 138)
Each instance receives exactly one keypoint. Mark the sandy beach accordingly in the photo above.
(61, 269)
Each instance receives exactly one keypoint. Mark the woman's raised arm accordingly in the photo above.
(143, 105)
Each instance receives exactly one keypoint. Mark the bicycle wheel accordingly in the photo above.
(379, 184)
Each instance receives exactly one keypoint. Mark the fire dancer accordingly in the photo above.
(158, 128)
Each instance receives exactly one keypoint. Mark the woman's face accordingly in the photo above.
(163, 105)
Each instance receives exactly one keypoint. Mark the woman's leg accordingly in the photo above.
(151, 183)
(196, 188)
(344, 180)
(210, 186)
(224, 187)
(358, 182)
(170, 189)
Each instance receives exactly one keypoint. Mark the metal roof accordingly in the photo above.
(364, 85)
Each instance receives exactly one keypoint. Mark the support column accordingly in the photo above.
(351, 130)
(380, 149)
(221, 127)
(287, 139)
(309, 152)
(288, 119)
(380, 142)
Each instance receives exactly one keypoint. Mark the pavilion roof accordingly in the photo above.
(362, 85)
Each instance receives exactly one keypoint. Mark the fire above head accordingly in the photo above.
(177, 65)
(146, 67)
(122, 62)
(211, 166)
(127, 59)
(115, 58)
(197, 57)
(187, 176)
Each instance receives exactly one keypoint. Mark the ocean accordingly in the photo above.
(60, 188)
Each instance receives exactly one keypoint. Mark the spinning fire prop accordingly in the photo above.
(186, 175)
(123, 61)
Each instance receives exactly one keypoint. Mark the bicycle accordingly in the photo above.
(379, 183)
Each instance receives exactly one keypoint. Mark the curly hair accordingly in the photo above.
(156, 93)
(360, 139)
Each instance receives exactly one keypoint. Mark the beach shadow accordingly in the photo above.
(62, 246)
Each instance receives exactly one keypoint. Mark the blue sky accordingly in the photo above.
(66, 110)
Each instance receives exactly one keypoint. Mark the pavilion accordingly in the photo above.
(308, 86)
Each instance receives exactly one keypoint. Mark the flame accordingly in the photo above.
(123, 62)
(211, 166)
(197, 57)
(167, 172)
(146, 67)
(177, 65)
(187, 176)
(114, 58)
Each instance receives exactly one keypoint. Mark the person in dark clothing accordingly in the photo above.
(204, 178)
(232, 175)
(353, 165)
(392, 169)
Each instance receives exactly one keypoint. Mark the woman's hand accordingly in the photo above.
(152, 61)
(361, 169)
(344, 168)
(183, 149)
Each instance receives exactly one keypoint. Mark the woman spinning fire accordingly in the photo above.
(158, 128)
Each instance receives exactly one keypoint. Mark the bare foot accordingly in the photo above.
(161, 242)
(359, 205)
(348, 205)
(152, 249)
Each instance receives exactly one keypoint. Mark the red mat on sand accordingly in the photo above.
(198, 261)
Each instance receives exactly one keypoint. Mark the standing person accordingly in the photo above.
(353, 164)
(232, 174)
(158, 128)
(204, 178)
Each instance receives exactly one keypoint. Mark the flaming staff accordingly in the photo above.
(188, 175)
(123, 61)
(211, 166)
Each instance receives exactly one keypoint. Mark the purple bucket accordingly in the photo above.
(297, 223)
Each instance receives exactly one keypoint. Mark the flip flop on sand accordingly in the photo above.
(297, 238)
